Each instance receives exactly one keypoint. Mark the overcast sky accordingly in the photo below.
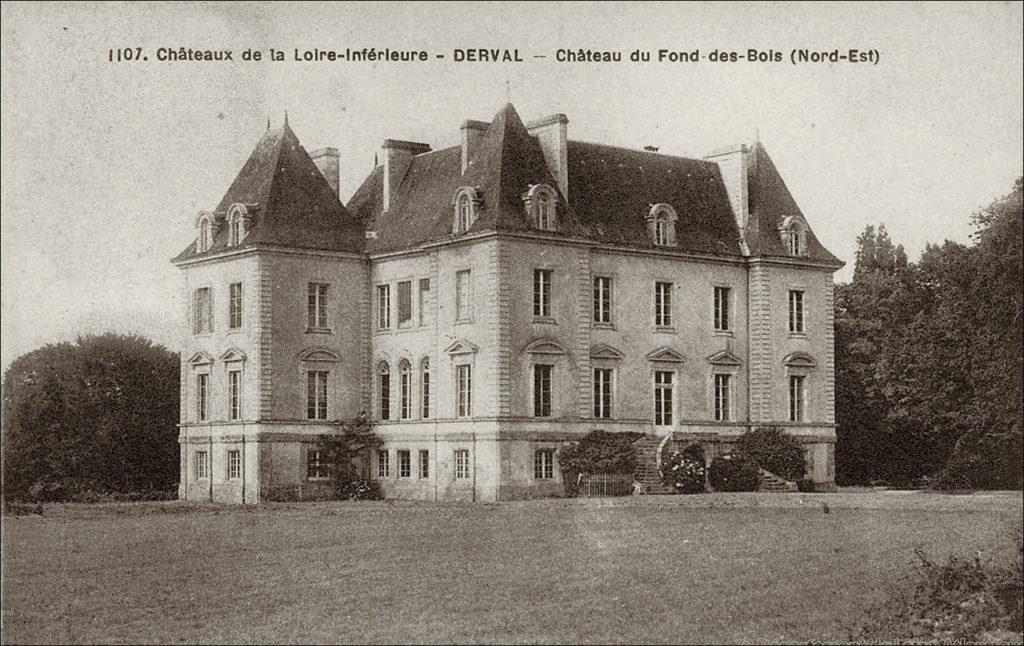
(105, 165)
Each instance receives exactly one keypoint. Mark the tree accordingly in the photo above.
(97, 415)
(345, 452)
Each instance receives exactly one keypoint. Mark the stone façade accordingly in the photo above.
(280, 228)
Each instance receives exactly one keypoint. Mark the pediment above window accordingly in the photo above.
(799, 360)
(461, 347)
(200, 359)
(724, 358)
(318, 354)
(233, 354)
(665, 355)
(545, 346)
(605, 351)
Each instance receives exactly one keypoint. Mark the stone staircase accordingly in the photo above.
(647, 465)
(772, 482)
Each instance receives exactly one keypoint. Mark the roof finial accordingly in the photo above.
(286, 117)
(268, 124)
(508, 88)
(757, 134)
(375, 162)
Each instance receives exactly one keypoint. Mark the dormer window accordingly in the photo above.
(238, 224)
(205, 239)
(793, 233)
(541, 206)
(466, 201)
(661, 223)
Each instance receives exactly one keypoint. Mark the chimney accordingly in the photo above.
(397, 157)
(554, 141)
(326, 159)
(732, 163)
(471, 133)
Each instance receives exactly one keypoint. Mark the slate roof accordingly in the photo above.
(292, 203)
(770, 203)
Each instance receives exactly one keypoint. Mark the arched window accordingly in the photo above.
(239, 221)
(425, 389)
(661, 223)
(466, 201)
(384, 379)
(236, 231)
(541, 202)
(793, 233)
(404, 390)
(205, 229)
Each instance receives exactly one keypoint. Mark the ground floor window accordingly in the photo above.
(544, 464)
(461, 464)
(663, 380)
(202, 465)
(383, 464)
(404, 465)
(234, 464)
(424, 464)
(316, 466)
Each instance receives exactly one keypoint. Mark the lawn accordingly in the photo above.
(713, 568)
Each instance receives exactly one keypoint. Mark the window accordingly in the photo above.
(202, 465)
(603, 393)
(205, 235)
(541, 202)
(235, 305)
(404, 465)
(663, 397)
(723, 394)
(316, 465)
(602, 299)
(404, 390)
(663, 304)
(461, 464)
(383, 464)
(425, 389)
(424, 300)
(235, 230)
(464, 212)
(794, 235)
(463, 296)
(404, 303)
(383, 306)
(316, 313)
(661, 223)
(234, 464)
(235, 394)
(316, 394)
(203, 311)
(722, 322)
(464, 390)
(542, 390)
(794, 244)
(796, 398)
(424, 464)
(202, 396)
(384, 379)
(542, 292)
(796, 311)
(544, 464)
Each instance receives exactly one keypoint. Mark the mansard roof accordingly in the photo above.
(291, 203)
(613, 190)
(770, 203)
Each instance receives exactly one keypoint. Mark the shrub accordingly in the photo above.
(733, 472)
(683, 472)
(344, 454)
(775, 451)
(360, 490)
(984, 460)
(806, 485)
(597, 453)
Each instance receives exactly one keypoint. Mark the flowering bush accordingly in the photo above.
(733, 472)
(359, 490)
(683, 472)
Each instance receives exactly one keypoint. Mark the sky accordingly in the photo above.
(105, 164)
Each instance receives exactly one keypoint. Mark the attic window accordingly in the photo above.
(205, 235)
(466, 201)
(541, 206)
(661, 224)
(238, 224)
(793, 233)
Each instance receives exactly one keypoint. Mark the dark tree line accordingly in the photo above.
(929, 358)
(98, 415)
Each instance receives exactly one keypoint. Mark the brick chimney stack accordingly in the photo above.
(397, 157)
(552, 134)
(326, 159)
(471, 133)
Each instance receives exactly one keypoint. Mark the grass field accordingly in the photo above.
(715, 568)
